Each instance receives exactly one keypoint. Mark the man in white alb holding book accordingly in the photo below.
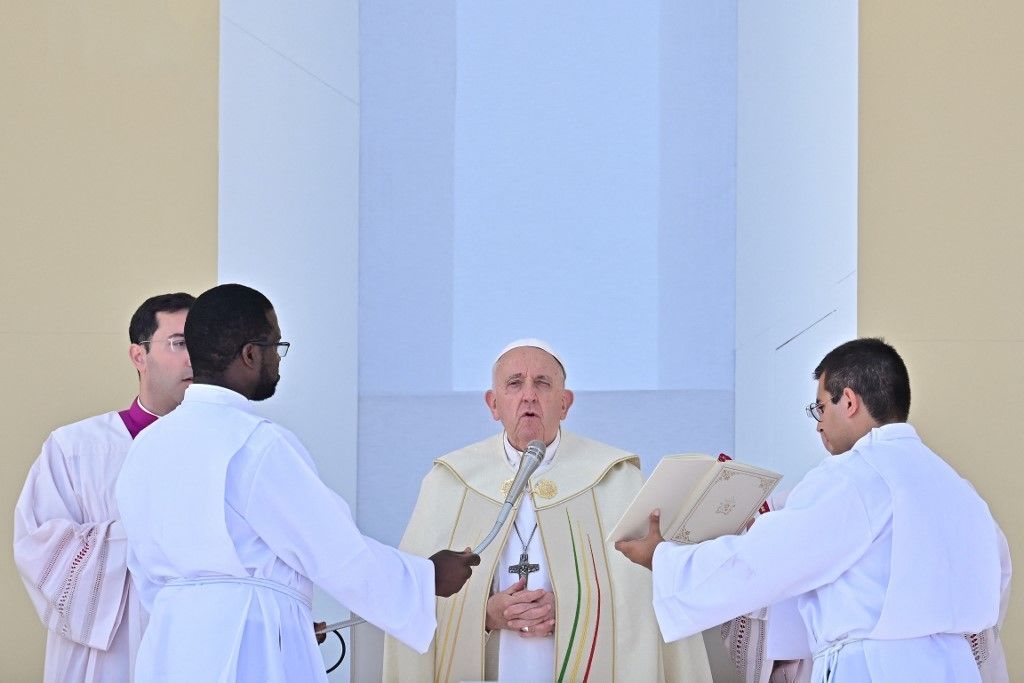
(550, 600)
(880, 562)
(745, 638)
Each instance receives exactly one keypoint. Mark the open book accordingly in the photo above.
(699, 497)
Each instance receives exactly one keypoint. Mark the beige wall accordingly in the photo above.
(942, 234)
(108, 194)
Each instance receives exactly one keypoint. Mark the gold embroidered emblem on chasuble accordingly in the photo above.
(545, 488)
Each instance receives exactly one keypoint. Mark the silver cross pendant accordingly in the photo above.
(524, 568)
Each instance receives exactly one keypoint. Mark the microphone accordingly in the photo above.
(527, 466)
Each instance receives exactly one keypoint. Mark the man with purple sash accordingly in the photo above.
(69, 544)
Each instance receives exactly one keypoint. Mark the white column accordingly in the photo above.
(796, 233)
(289, 192)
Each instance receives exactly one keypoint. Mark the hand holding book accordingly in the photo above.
(641, 550)
(699, 498)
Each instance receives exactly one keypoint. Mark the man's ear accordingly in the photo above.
(248, 356)
(492, 402)
(567, 399)
(137, 355)
(849, 402)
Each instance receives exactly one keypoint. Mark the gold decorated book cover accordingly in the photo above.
(700, 497)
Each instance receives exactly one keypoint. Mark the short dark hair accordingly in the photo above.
(143, 323)
(874, 371)
(220, 323)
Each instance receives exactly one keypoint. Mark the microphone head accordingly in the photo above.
(535, 449)
(532, 457)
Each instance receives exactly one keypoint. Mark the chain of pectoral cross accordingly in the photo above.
(524, 568)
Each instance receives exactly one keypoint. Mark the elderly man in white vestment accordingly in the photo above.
(229, 525)
(69, 544)
(881, 560)
(551, 601)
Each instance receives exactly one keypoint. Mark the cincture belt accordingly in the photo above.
(265, 583)
(831, 654)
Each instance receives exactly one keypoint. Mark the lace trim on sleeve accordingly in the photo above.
(744, 637)
(980, 646)
(62, 602)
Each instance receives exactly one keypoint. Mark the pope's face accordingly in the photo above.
(528, 395)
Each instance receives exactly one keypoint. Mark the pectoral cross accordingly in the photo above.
(524, 568)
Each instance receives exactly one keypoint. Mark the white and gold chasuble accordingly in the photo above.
(605, 629)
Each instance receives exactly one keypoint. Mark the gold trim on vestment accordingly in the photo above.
(608, 567)
(460, 598)
(495, 569)
(545, 488)
(554, 593)
(458, 515)
(585, 627)
(490, 487)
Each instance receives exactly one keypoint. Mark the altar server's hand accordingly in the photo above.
(641, 551)
(452, 570)
(320, 637)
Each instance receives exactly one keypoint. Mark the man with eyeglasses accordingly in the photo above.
(884, 565)
(69, 544)
(229, 526)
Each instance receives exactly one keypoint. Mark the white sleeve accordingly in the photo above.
(823, 529)
(74, 569)
(1006, 574)
(987, 646)
(310, 527)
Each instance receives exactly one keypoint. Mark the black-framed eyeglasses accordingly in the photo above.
(281, 346)
(815, 411)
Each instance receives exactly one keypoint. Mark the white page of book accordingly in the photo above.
(668, 487)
